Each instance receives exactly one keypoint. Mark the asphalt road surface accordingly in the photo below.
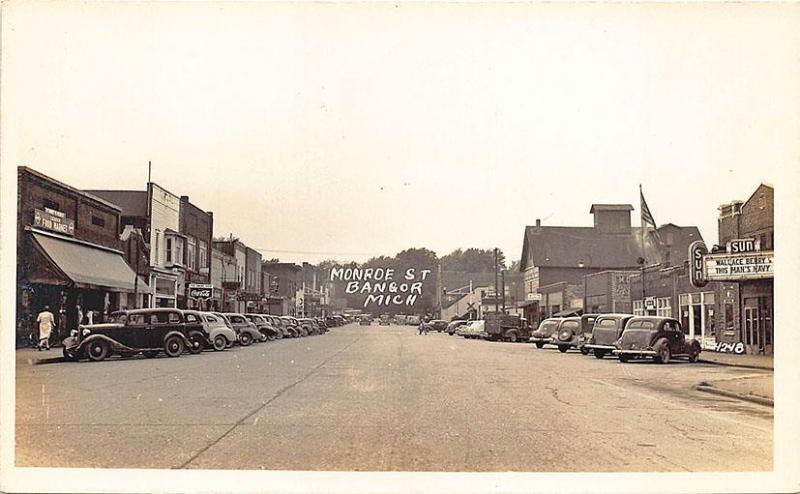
(383, 398)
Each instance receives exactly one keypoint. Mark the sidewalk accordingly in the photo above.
(748, 361)
(758, 389)
(32, 356)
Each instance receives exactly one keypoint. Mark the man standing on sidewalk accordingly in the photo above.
(46, 322)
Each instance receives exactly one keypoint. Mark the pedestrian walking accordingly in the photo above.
(46, 323)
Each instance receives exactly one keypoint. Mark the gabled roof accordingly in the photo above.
(610, 207)
(569, 247)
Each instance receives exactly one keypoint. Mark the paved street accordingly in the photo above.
(384, 398)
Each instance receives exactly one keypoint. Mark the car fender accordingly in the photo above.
(180, 335)
(115, 345)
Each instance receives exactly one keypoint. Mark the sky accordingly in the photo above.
(347, 131)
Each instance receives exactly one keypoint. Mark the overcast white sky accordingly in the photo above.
(347, 131)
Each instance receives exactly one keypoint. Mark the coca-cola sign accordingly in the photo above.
(199, 291)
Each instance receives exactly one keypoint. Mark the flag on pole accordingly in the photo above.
(647, 216)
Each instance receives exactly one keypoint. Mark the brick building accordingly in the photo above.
(68, 253)
(198, 226)
(285, 281)
(747, 315)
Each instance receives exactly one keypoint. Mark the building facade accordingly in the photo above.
(556, 259)
(286, 282)
(68, 254)
(197, 226)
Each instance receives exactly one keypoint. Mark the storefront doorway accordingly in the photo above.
(758, 325)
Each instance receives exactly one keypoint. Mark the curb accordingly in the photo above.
(729, 394)
(743, 366)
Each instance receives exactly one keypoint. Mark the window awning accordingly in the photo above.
(88, 266)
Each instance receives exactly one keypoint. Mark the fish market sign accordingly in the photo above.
(737, 267)
(53, 220)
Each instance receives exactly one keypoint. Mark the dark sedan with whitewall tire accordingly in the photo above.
(659, 338)
(142, 331)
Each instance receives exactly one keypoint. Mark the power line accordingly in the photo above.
(278, 251)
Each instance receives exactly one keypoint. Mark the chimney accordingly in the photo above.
(184, 198)
(538, 222)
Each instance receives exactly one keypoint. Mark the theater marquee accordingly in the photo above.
(736, 267)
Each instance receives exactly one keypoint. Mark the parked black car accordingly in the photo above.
(453, 326)
(660, 338)
(606, 331)
(264, 327)
(145, 331)
(546, 332)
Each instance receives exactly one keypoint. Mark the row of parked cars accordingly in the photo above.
(175, 331)
(624, 335)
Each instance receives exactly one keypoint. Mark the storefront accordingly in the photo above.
(75, 278)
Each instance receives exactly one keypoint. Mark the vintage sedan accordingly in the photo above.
(606, 330)
(475, 329)
(246, 331)
(545, 333)
(453, 326)
(659, 338)
(265, 328)
(438, 325)
(573, 332)
(145, 331)
(207, 331)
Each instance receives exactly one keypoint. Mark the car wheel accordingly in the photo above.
(624, 358)
(174, 346)
(245, 339)
(599, 354)
(150, 353)
(539, 344)
(220, 343)
(512, 337)
(662, 351)
(563, 348)
(197, 341)
(98, 350)
(69, 354)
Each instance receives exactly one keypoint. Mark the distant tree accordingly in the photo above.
(472, 260)
(514, 266)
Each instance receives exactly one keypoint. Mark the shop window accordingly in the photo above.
(664, 307)
(98, 221)
(729, 320)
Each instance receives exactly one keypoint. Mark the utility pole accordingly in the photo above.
(149, 170)
(495, 281)
(503, 283)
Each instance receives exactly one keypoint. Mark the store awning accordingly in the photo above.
(87, 265)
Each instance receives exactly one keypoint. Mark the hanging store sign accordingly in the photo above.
(737, 267)
(201, 291)
(697, 250)
(53, 220)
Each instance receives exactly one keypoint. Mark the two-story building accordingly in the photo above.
(157, 213)
(68, 253)
(197, 226)
(236, 295)
(285, 283)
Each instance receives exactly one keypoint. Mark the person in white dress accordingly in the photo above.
(46, 323)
